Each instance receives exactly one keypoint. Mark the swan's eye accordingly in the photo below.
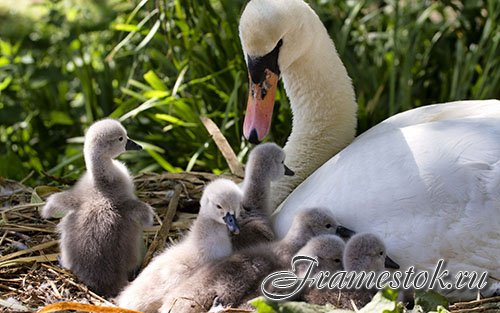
(328, 225)
(121, 138)
(337, 260)
(219, 206)
(381, 253)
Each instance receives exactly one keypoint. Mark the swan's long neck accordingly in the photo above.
(324, 111)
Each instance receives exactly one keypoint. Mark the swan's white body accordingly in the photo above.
(427, 181)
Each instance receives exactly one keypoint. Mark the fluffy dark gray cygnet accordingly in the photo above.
(101, 233)
(327, 250)
(363, 252)
(266, 163)
(207, 240)
(235, 278)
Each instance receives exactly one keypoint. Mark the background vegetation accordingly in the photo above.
(159, 65)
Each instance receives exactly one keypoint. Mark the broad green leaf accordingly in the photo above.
(381, 304)
(430, 300)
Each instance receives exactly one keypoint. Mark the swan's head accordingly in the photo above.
(221, 202)
(366, 252)
(267, 161)
(107, 138)
(328, 249)
(274, 34)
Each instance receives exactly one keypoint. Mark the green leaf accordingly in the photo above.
(4, 61)
(264, 306)
(155, 94)
(60, 118)
(5, 83)
(381, 304)
(126, 27)
(154, 81)
(149, 36)
(261, 305)
(174, 120)
(430, 300)
(164, 163)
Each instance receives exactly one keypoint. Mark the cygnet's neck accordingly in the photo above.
(324, 110)
(295, 239)
(256, 190)
(101, 167)
(210, 238)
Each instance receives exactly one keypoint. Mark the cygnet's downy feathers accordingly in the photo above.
(101, 231)
(208, 239)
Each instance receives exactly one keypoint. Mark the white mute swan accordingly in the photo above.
(427, 181)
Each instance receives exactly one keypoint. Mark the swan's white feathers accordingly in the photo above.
(429, 199)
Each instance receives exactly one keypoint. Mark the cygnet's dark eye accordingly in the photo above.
(381, 253)
(121, 138)
(337, 260)
(219, 206)
(328, 225)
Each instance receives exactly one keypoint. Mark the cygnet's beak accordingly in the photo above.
(231, 223)
(288, 171)
(130, 145)
(345, 232)
(389, 263)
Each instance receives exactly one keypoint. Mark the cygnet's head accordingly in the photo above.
(274, 34)
(221, 201)
(267, 160)
(364, 252)
(328, 249)
(107, 138)
(313, 222)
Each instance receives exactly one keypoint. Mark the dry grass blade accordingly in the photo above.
(37, 259)
(159, 242)
(224, 147)
(26, 251)
(484, 305)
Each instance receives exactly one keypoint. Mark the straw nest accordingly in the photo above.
(30, 276)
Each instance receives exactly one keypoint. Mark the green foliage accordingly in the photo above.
(158, 65)
(385, 301)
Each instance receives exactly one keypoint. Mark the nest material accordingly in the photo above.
(30, 275)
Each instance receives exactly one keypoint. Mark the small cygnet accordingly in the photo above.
(238, 277)
(265, 164)
(363, 252)
(327, 250)
(101, 233)
(208, 239)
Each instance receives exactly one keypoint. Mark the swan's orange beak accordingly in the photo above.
(260, 107)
